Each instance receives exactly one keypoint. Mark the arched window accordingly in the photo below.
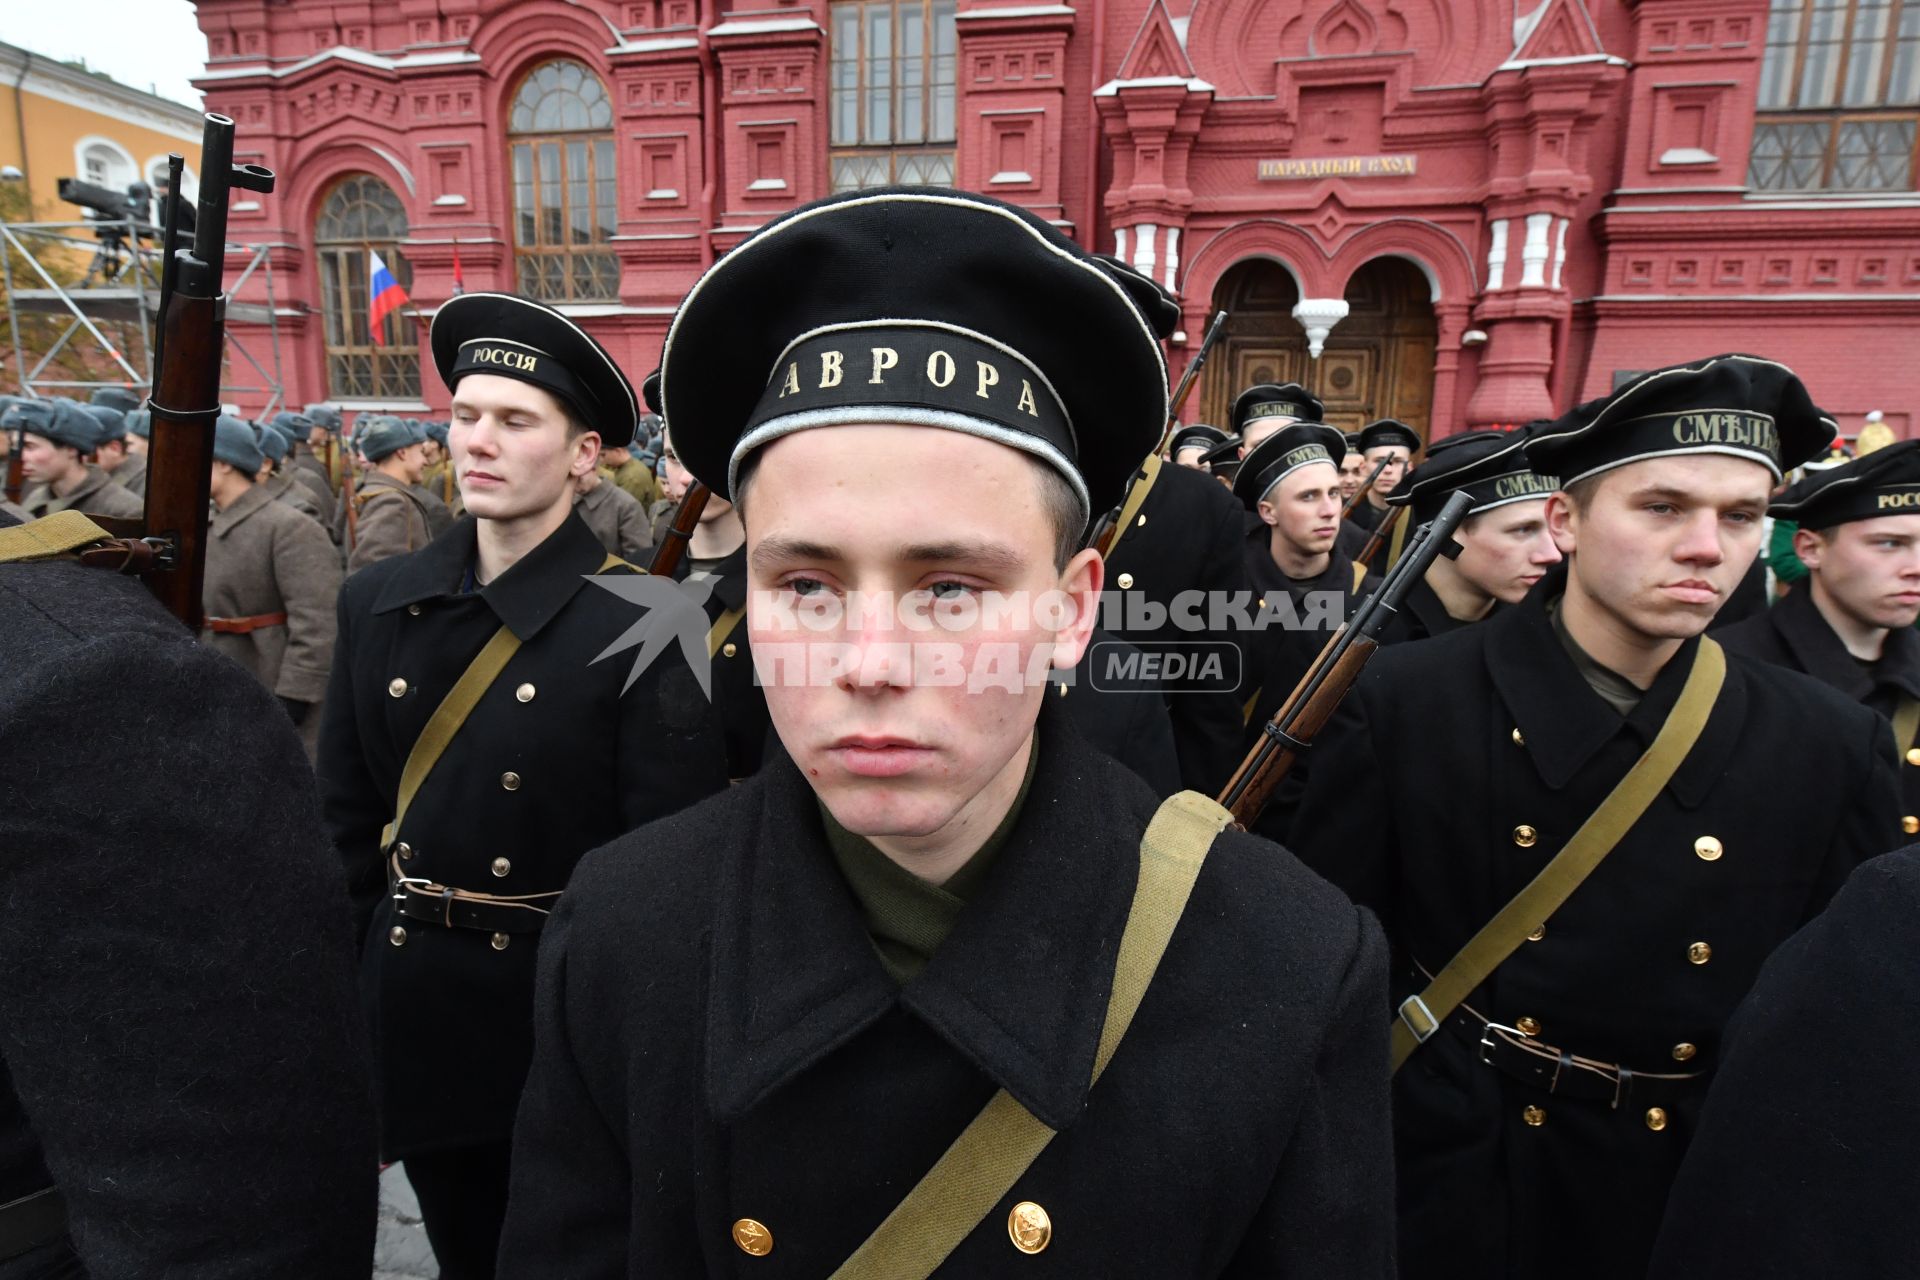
(105, 163)
(1839, 104)
(360, 217)
(561, 152)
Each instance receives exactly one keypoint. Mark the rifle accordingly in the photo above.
(1381, 532)
(686, 518)
(17, 463)
(1360, 494)
(1106, 529)
(1313, 701)
(189, 341)
(1192, 375)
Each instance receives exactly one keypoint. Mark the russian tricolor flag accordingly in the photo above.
(384, 296)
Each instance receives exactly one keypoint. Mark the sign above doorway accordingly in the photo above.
(1337, 167)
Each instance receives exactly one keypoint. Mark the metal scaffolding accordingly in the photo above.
(121, 286)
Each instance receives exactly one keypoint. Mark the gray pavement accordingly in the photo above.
(401, 1252)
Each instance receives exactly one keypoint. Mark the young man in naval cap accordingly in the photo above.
(1393, 443)
(472, 749)
(1505, 545)
(1850, 625)
(1192, 444)
(1554, 1074)
(763, 1023)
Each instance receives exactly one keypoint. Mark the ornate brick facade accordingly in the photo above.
(1558, 188)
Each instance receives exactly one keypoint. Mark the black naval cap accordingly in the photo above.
(917, 306)
(1733, 405)
(650, 392)
(1275, 400)
(1490, 467)
(1884, 483)
(1197, 436)
(1353, 442)
(1224, 458)
(1296, 445)
(1389, 433)
(528, 341)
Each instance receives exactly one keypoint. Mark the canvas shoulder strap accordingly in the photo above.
(1420, 1016)
(1906, 723)
(49, 537)
(992, 1153)
(453, 712)
(1359, 576)
(722, 628)
(1137, 496)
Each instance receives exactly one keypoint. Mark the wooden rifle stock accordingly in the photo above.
(1360, 494)
(686, 518)
(1378, 539)
(1318, 695)
(1192, 375)
(188, 346)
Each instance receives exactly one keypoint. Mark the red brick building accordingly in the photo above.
(1456, 212)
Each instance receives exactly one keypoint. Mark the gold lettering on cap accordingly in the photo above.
(830, 362)
(1524, 485)
(1306, 453)
(1747, 430)
(790, 387)
(1910, 498)
(508, 359)
(1027, 401)
(940, 362)
(989, 376)
(884, 358)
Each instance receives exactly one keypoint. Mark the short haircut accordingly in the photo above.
(1058, 503)
(1580, 492)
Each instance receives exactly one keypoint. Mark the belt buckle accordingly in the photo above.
(403, 883)
(1488, 1043)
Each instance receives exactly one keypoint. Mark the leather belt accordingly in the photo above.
(440, 904)
(31, 1221)
(243, 626)
(1560, 1072)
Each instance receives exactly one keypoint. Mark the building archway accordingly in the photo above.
(1262, 342)
(1379, 361)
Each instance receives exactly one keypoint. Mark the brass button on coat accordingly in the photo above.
(1524, 836)
(396, 688)
(1519, 738)
(500, 941)
(753, 1238)
(501, 866)
(1683, 1052)
(524, 693)
(397, 936)
(1913, 755)
(1029, 1227)
(1141, 523)
(1656, 1118)
(1126, 581)
(413, 610)
(728, 649)
(1910, 825)
(1527, 1027)
(510, 780)
(405, 851)
(1537, 934)
(1708, 848)
(1699, 953)
(1534, 1116)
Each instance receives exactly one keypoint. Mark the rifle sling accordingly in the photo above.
(1396, 544)
(1421, 1015)
(1002, 1142)
(1906, 723)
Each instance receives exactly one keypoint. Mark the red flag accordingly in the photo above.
(459, 280)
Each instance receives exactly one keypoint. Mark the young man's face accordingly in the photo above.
(1868, 569)
(675, 479)
(1396, 457)
(136, 446)
(1503, 552)
(429, 451)
(1663, 542)
(900, 725)
(110, 455)
(1259, 429)
(317, 439)
(1305, 508)
(44, 462)
(1353, 473)
(511, 455)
